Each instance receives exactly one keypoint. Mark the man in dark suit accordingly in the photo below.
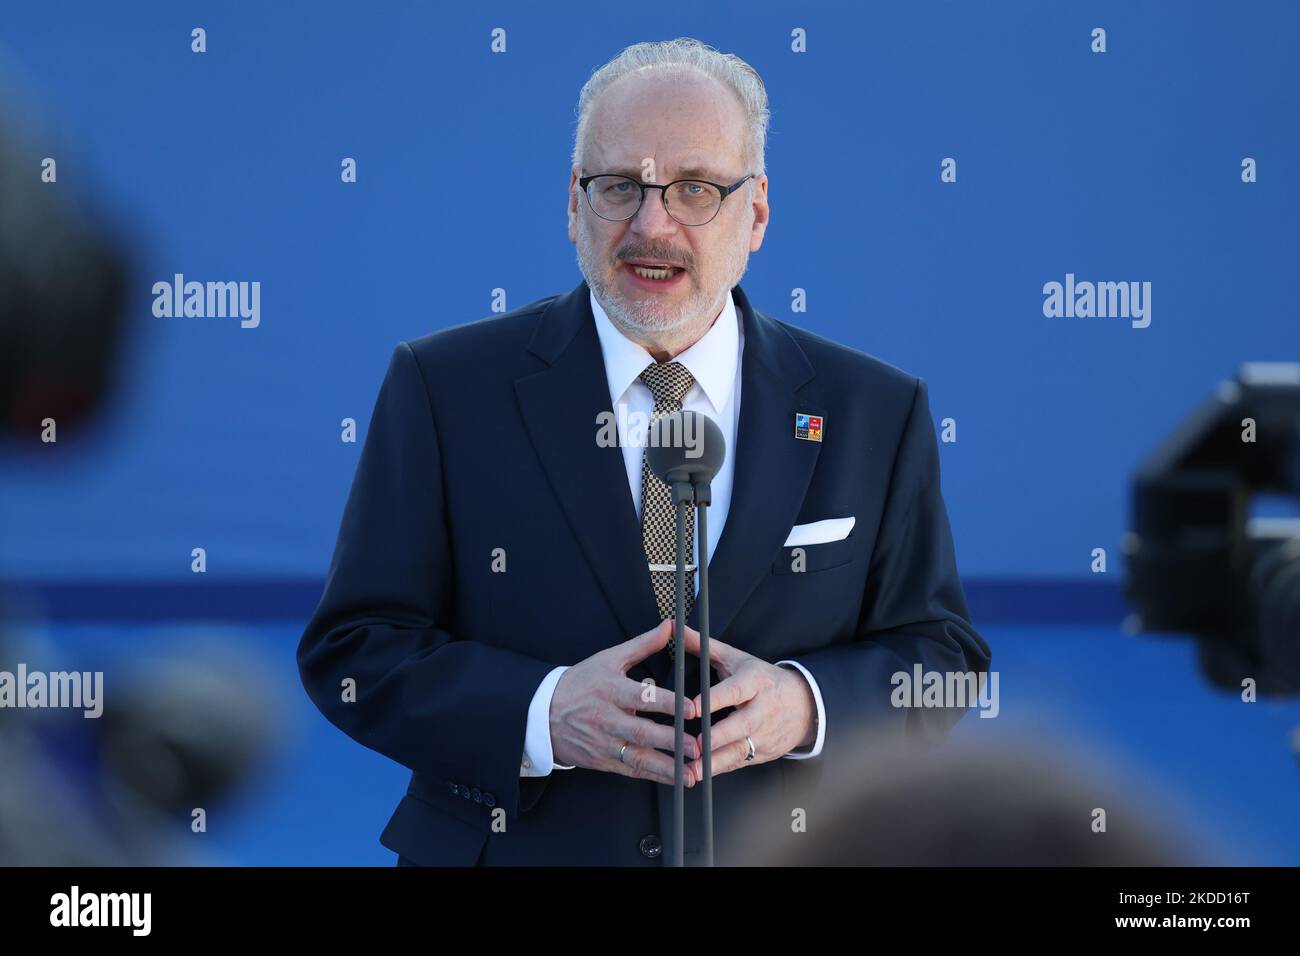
(495, 616)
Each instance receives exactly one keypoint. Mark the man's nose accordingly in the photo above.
(652, 218)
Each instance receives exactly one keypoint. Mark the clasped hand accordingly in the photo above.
(595, 724)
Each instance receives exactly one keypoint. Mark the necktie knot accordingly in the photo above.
(668, 382)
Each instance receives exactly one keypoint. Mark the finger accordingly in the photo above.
(648, 764)
(722, 656)
(647, 734)
(732, 692)
(729, 758)
(649, 698)
(740, 723)
(637, 649)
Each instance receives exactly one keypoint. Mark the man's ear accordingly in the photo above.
(573, 204)
(761, 213)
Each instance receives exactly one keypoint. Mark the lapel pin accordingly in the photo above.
(808, 427)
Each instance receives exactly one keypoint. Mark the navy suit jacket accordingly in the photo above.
(483, 437)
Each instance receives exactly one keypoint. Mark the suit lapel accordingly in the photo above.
(773, 468)
(559, 406)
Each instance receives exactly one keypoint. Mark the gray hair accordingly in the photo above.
(677, 56)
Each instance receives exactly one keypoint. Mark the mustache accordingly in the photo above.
(680, 262)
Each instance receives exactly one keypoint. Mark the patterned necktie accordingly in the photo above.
(669, 383)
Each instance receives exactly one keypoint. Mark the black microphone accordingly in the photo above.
(686, 446)
(686, 449)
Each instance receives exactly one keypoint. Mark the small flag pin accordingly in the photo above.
(808, 427)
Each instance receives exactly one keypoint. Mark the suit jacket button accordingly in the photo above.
(651, 847)
(451, 785)
(489, 799)
(477, 795)
(464, 791)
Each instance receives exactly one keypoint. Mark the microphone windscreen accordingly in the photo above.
(685, 446)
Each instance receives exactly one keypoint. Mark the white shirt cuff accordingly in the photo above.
(821, 714)
(538, 758)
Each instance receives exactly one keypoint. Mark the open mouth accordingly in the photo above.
(664, 273)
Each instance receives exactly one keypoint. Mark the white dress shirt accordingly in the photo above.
(714, 361)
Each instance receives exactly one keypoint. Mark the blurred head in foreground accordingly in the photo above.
(63, 281)
(973, 804)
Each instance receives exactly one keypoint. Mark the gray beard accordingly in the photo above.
(668, 327)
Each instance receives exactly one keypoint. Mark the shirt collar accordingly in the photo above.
(711, 360)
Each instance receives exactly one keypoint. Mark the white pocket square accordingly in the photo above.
(820, 532)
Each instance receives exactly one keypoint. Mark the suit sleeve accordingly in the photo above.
(452, 708)
(914, 610)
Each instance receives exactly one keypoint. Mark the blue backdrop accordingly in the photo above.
(1123, 165)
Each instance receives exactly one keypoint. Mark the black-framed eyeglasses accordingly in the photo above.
(692, 202)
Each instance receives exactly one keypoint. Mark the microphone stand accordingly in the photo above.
(684, 493)
(703, 498)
